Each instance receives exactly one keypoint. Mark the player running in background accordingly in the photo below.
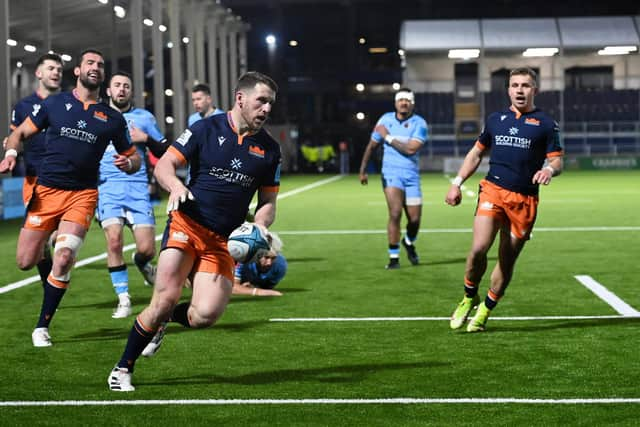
(403, 134)
(123, 199)
(79, 127)
(49, 75)
(232, 157)
(519, 140)
(202, 103)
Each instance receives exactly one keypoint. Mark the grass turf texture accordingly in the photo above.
(335, 242)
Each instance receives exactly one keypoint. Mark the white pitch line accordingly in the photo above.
(607, 296)
(387, 401)
(410, 319)
(24, 282)
(457, 230)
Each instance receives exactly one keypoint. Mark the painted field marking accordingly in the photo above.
(607, 296)
(417, 318)
(387, 401)
(24, 282)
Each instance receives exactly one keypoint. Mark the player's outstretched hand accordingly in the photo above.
(122, 162)
(454, 196)
(543, 176)
(137, 135)
(7, 164)
(364, 179)
(178, 196)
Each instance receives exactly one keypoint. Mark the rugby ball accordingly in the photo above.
(246, 241)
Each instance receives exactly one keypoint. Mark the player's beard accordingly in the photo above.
(84, 80)
(51, 89)
(124, 105)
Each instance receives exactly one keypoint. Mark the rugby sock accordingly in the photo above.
(141, 260)
(139, 337)
(44, 266)
(53, 292)
(491, 300)
(412, 232)
(470, 288)
(394, 251)
(179, 314)
(119, 278)
(408, 240)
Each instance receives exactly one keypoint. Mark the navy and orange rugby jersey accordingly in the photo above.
(519, 145)
(34, 147)
(226, 171)
(77, 135)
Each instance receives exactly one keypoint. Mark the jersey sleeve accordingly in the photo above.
(122, 140)
(151, 128)
(239, 271)
(554, 142)
(18, 114)
(421, 131)
(375, 136)
(39, 114)
(189, 141)
(271, 180)
(485, 138)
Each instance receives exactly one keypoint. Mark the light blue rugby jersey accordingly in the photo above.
(196, 116)
(143, 120)
(415, 127)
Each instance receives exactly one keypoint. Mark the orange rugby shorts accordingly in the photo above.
(208, 249)
(518, 209)
(48, 206)
(28, 185)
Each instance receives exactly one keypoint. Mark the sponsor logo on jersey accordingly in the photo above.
(221, 140)
(502, 117)
(236, 163)
(256, 151)
(184, 137)
(81, 124)
(68, 106)
(79, 134)
(36, 109)
(179, 236)
(512, 141)
(100, 116)
(513, 131)
(232, 176)
(531, 121)
(35, 220)
(486, 206)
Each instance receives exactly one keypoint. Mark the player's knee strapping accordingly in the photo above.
(69, 241)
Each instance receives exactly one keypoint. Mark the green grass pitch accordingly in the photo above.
(550, 339)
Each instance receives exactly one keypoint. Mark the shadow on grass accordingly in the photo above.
(333, 374)
(497, 327)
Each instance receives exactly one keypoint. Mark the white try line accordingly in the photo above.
(382, 401)
(438, 319)
(607, 296)
(24, 282)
